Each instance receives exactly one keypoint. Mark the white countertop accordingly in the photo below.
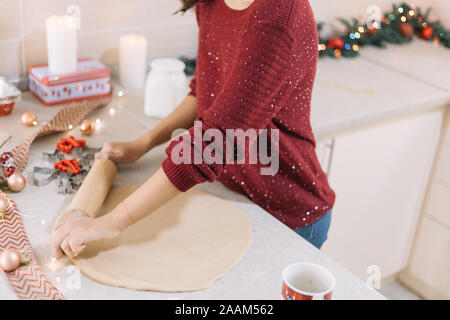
(348, 94)
(257, 276)
(425, 61)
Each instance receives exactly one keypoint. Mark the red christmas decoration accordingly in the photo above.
(371, 31)
(67, 144)
(406, 30)
(336, 43)
(66, 165)
(427, 33)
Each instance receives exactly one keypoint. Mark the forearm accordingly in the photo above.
(181, 118)
(153, 194)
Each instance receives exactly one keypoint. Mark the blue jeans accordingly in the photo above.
(317, 232)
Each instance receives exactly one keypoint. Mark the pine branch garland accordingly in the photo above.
(398, 26)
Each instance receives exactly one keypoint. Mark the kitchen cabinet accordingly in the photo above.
(324, 151)
(428, 271)
(380, 174)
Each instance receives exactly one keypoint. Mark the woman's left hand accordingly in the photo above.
(71, 236)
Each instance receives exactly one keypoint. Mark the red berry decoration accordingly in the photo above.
(5, 157)
(336, 43)
(406, 30)
(10, 171)
(427, 32)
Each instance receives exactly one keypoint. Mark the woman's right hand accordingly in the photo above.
(121, 152)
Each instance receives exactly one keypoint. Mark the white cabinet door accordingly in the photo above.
(429, 272)
(380, 176)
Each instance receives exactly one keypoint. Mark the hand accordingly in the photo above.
(71, 236)
(121, 152)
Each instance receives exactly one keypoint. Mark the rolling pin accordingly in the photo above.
(95, 188)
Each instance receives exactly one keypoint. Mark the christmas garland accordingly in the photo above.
(399, 25)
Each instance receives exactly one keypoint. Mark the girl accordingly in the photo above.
(255, 70)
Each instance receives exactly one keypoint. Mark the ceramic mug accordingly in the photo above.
(307, 281)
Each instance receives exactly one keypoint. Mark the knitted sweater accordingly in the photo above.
(256, 70)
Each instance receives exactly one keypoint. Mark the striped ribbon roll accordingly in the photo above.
(71, 115)
(28, 281)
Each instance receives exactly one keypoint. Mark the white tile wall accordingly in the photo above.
(22, 26)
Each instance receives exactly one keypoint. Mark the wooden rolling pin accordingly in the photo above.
(95, 188)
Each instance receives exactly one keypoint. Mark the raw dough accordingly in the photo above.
(185, 245)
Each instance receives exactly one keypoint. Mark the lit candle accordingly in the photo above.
(62, 44)
(133, 60)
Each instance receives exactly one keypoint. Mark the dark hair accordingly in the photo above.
(188, 4)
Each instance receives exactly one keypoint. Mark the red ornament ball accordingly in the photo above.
(371, 31)
(427, 32)
(336, 43)
(406, 30)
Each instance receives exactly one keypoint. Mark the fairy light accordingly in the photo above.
(120, 93)
(98, 124)
(70, 127)
(337, 53)
(112, 111)
(355, 47)
(403, 19)
(411, 13)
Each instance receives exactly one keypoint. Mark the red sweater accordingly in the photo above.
(256, 69)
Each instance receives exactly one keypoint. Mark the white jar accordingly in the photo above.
(166, 87)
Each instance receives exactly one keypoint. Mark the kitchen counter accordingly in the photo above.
(351, 93)
(257, 276)
(348, 94)
(422, 60)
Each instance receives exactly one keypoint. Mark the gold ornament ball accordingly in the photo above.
(16, 182)
(87, 127)
(28, 118)
(10, 260)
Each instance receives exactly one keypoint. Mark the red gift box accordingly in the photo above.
(92, 80)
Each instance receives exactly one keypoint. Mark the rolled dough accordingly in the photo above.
(185, 245)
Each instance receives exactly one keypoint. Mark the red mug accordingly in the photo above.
(307, 281)
(6, 108)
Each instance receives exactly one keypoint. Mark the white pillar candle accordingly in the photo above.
(133, 60)
(62, 44)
